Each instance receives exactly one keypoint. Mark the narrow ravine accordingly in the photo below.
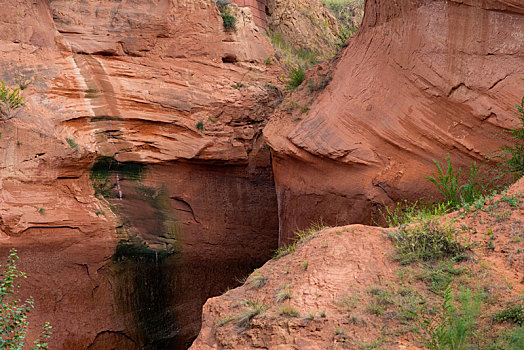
(188, 232)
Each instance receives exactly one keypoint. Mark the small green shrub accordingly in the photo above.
(426, 241)
(295, 77)
(10, 100)
(200, 126)
(14, 312)
(447, 181)
(513, 314)
(230, 21)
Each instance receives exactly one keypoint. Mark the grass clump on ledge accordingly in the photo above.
(256, 280)
(430, 240)
(252, 309)
(289, 311)
(296, 77)
(301, 237)
(72, 143)
(230, 21)
(283, 293)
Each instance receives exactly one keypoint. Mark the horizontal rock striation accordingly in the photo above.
(137, 161)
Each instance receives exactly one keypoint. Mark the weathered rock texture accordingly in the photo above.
(177, 105)
(418, 81)
(258, 9)
(304, 25)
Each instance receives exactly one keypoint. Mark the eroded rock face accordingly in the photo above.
(418, 81)
(173, 106)
(304, 25)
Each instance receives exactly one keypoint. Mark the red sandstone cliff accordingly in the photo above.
(419, 80)
(163, 85)
(160, 83)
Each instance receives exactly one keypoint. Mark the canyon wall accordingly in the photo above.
(419, 80)
(135, 182)
(258, 9)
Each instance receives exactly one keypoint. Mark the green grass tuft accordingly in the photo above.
(283, 293)
(252, 309)
(429, 240)
(256, 280)
(295, 77)
(288, 310)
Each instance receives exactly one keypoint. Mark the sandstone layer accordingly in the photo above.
(419, 80)
(135, 182)
(305, 25)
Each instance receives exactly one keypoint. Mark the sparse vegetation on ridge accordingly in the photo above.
(430, 240)
(349, 14)
(301, 237)
(230, 21)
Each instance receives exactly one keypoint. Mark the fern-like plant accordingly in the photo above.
(447, 181)
(450, 327)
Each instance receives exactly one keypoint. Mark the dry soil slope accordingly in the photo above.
(337, 279)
